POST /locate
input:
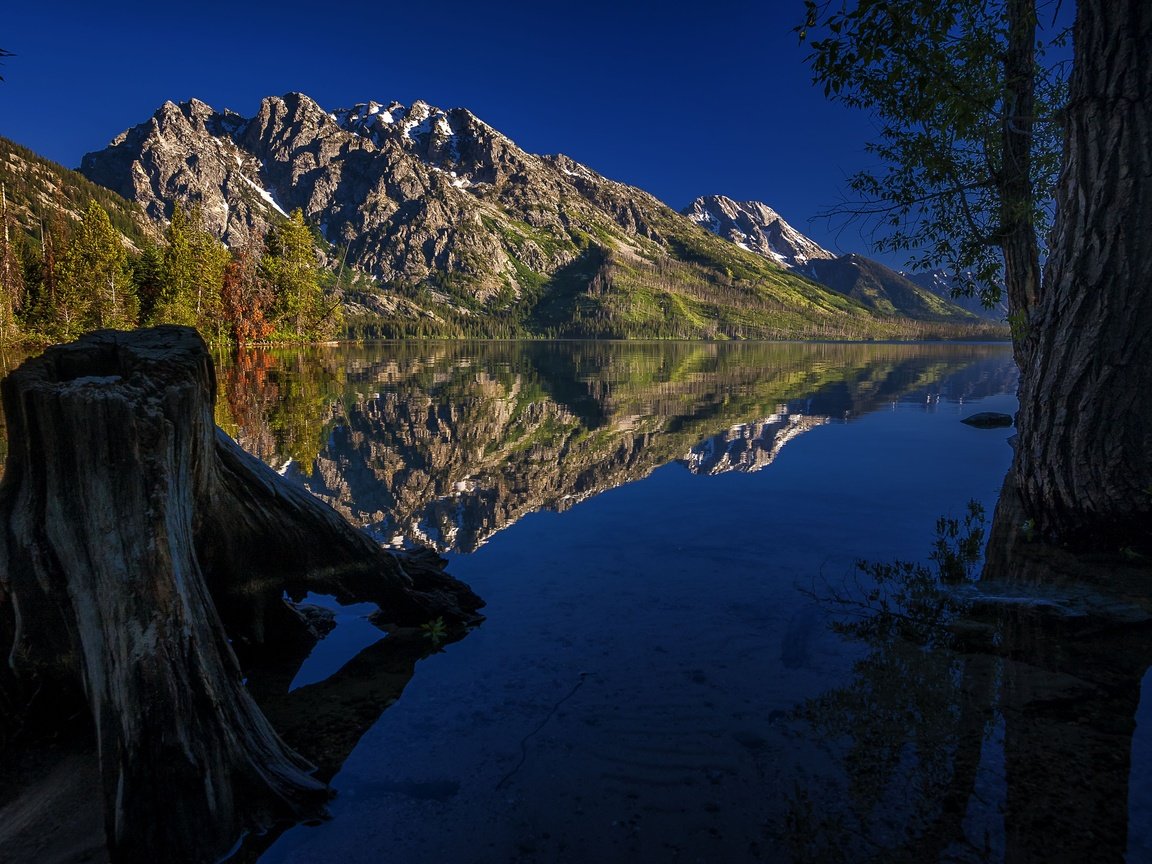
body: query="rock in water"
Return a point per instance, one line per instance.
(138, 544)
(988, 420)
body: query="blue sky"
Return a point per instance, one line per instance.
(678, 99)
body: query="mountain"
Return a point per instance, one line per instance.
(749, 447)
(881, 288)
(464, 232)
(940, 283)
(757, 227)
(38, 191)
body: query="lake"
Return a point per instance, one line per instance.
(715, 629)
(665, 535)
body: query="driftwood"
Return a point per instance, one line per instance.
(140, 551)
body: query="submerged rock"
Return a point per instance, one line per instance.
(989, 420)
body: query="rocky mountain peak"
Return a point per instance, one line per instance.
(757, 227)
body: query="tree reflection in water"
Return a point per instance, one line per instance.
(991, 719)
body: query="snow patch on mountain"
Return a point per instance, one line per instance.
(422, 128)
(264, 193)
(704, 218)
(749, 447)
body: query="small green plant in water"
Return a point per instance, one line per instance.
(435, 630)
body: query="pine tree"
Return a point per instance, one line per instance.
(294, 273)
(41, 273)
(94, 285)
(210, 260)
(190, 276)
(174, 303)
(148, 274)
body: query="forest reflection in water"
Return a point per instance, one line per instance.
(993, 715)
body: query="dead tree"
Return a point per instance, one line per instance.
(138, 546)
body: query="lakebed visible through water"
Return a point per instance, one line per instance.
(665, 534)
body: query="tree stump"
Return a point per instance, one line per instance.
(138, 546)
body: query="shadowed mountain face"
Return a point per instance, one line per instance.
(39, 193)
(444, 444)
(880, 288)
(943, 284)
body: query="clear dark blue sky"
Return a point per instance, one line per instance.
(678, 99)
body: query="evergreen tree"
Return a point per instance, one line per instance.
(191, 273)
(210, 259)
(148, 275)
(291, 268)
(94, 287)
(175, 303)
(41, 272)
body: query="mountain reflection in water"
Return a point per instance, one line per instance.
(444, 444)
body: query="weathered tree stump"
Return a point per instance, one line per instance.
(138, 545)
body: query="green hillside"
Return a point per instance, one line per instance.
(39, 191)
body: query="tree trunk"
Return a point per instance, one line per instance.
(138, 544)
(1014, 178)
(1085, 424)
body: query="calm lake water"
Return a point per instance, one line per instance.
(661, 533)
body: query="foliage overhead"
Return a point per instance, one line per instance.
(933, 74)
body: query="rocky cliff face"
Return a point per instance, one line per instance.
(459, 225)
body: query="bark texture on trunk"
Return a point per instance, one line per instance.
(1084, 454)
(131, 532)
